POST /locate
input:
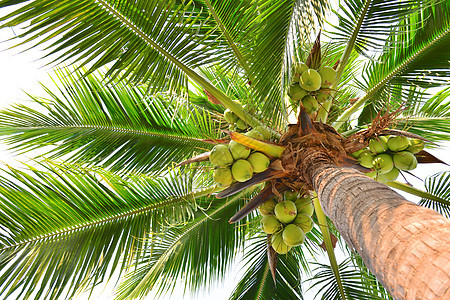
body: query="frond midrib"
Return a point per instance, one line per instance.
(119, 216)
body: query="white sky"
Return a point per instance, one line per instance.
(22, 71)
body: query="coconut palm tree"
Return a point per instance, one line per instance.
(148, 89)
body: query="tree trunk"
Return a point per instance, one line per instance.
(405, 245)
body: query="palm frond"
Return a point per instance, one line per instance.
(197, 252)
(439, 185)
(64, 229)
(357, 284)
(257, 282)
(116, 126)
(148, 40)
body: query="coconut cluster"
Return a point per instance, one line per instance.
(235, 162)
(311, 87)
(287, 221)
(387, 156)
(236, 123)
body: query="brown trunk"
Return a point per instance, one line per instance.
(405, 245)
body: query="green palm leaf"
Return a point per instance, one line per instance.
(64, 228)
(119, 127)
(257, 282)
(438, 185)
(198, 252)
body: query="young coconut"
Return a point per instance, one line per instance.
(322, 96)
(241, 124)
(255, 134)
(291, 195)
(383, 163)
(259, 162)
(267, 207)
(293, 235)
(391, 175)
(365, 159)
(220, 156)
(270, 224)
(285, 211)
(264, 131)
(357, 153)
(378, 145)
(303, 221)
(223, 176)
(415, 146)
(397, 143)
(310, 80)
(279, 245)
(238, 151)
(328, 75)
(242, 170)
(296, 93)
(405, 160)
(230, 116)
(310, 104)
(298, 71)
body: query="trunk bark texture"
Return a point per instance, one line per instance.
(405, 245)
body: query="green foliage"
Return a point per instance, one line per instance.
(438, 185)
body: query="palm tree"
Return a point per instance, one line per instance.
(104, 194)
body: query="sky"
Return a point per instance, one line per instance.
(20, 72)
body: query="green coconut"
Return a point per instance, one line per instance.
(259, 162)
(279, 245)
(405, 160)
(391, 175)
(310, 104)
(285, 211)
(378, 145)
(242, 170)
(322, 96)
(357, 153)
(383, 163)
(304, 221)
(328, 75)
(267, 207)
(230, 116)
(270, 224)
(397, 143)
(304, 205)
(223, 176)
(372, 174)
(241, 124)
(365, 158)
(310, 80)
(220, 156)
(238, 151)
(296, 93)
(254, 134)
(293, 235)
(415, 146)
(264, 131)
(291, 195)
(298, 71)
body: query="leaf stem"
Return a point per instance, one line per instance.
(416, 192)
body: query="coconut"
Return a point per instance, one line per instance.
(405, 160)
(259, 162)
(220, 156)
(270, 224)
(291, 195)
(365, 159)
(372, 174)
(378, 145)
(254, 134)
(223, 176)
(293, 235)
(397, 143)
(383, 163)
(391, 175)
(310, 104)
(322, 96)
(238, 151)
(328, 75)
(415, 146)
(296, 93)
(279, 245)
(230, 116)
(285, 211)
(241, 124)
(298, 71)
(264, 131)
(306, 208)
(303, 221)
(310, 80)
(357, 153)
(242, 170)
(267, 207)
